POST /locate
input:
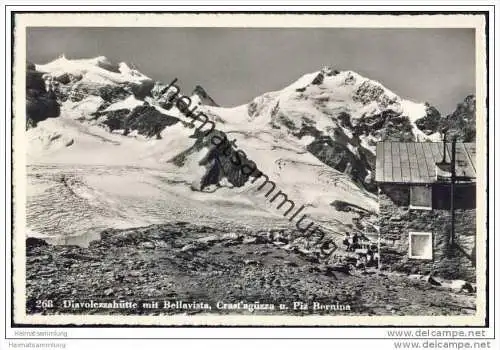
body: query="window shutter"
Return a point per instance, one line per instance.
(421, 197)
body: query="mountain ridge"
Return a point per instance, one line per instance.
(314, 138)
(341, 110)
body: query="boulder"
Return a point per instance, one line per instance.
(35, 242)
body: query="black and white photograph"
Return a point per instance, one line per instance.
(260, 174)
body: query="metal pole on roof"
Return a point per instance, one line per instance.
(378, 250)
(444, 147)
(452, 190)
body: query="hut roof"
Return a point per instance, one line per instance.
(415, 162)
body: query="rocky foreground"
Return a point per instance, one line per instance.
(182, 262)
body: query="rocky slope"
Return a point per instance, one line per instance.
(192, 263)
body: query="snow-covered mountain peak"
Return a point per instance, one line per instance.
(335, 116)
(99, 70)
(345, 85)
(323, 95)
(63, 63)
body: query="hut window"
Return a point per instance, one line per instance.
(420, 245)
(421, 197)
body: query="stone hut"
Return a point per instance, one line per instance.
(427, 203)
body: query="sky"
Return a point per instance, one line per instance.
(235, 65)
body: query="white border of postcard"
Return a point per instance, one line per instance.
(244, 20)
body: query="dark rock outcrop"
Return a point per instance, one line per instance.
(147, 120)
(111, 93)
(115, 120)
(396, 127)
(204, 96)
(40, 103)
(35, 242)
(339, 157)
(318, 79)
(431, 122)
(336, 148)
(368, 92)
(141, 91)
(163, 95)
(223, 160)
(462, 122)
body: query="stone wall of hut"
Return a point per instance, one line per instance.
(451, 261)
